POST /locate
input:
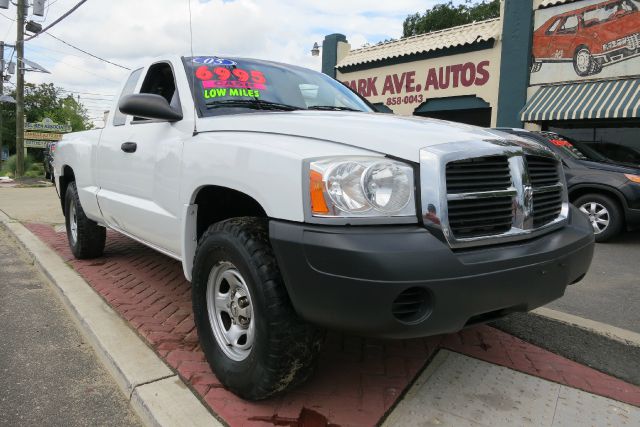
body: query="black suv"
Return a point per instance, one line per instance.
(606, 190)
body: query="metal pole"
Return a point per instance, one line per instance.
(1, 93)
(20, 92)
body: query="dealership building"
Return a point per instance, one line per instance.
(571, 66)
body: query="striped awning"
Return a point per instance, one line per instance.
(611, 99)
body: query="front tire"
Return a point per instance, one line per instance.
(251, 335)
(604, 214)
(86, 237)
(584, 63)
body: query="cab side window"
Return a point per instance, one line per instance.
(161, 81)
(119, 119)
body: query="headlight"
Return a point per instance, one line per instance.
(361, 187)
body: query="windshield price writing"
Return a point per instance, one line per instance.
(221, 77)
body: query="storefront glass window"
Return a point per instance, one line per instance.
(619, 144)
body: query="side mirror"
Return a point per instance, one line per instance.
(148, 106)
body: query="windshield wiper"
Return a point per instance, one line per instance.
(331, 108)
(256, 104)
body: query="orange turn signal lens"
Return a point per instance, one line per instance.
(634, 178)
(316, 190)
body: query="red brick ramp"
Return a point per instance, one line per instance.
(358, 380)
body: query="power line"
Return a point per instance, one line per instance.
(86, 93)
(87, 53)
(52, 3)
(95, 99)
(46, 13)
(69, 12)
(9, 30)
(76, 67)
(6, 17)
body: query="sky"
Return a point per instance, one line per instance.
(132, 32)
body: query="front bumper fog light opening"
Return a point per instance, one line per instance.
(412, 305)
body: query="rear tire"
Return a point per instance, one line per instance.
(252, 337)
(86, 237)
(535, 65)
(604, 213)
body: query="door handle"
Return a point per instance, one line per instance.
(129, 147)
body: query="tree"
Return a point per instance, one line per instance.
(40, 102)
(446, 15)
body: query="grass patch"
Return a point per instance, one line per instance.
(31, 168)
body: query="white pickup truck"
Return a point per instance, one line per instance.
(294, 208)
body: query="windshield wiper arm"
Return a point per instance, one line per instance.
(331, 108)
(257, 104)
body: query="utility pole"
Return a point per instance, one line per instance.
(20, 91)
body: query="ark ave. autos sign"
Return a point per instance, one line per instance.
(413, 87)
(405, 86)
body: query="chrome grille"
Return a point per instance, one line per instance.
(491, 191)
(542, 171)
(479, 174)
(546, 206)
(480, 217)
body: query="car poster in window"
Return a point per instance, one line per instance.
(224, 78)
(589, 39)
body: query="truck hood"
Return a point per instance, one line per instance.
(398, 136)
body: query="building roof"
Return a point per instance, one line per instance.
(451, 37)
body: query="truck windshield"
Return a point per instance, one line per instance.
(232, 85)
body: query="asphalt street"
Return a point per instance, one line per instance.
(50, 375)
(610, 292)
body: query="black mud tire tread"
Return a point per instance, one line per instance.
(91, 236)
(616, 217)
(286, 349)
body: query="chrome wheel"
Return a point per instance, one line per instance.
(73, 222)
(583, 60)
(230, 311)
(598, 215)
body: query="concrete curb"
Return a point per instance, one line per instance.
(608, 349)
(618, 334)
(156, 393)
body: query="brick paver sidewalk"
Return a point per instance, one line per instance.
(358, 380)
